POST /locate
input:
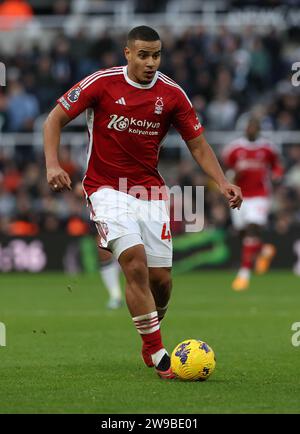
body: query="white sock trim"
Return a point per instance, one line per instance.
(163, 308)
(156, 357)
(244, 272)
(146, 324)
(145, 316)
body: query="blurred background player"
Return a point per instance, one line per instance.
(256, 164)
(109, 269)
(110, 273)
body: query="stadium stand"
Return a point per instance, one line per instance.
(229, 70)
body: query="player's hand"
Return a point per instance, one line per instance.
(233, 194)
(58, 179)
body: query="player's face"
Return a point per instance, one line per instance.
(143, 59)
(252, 130)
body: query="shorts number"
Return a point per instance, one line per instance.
(165, 233)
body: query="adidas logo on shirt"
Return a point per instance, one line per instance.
(121, 101)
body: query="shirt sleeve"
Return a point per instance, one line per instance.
(78, 98)
(185, 118)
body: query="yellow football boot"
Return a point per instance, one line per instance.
(240, 284)
(265, 258)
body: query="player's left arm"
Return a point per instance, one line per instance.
(206, 158)
(185, 120)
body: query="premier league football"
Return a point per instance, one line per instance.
(193, 360)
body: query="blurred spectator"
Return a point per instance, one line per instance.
(292, 177)
(222, 112)
(50, 223)
(283, 222)
(68, 163)
(61, 7)
(22, 108)
(259, 65)
(14, 13)
(23, 228)
(150, 6)
(3, 112)
(45, 82)
(76, 227)
(7, 202)
(62, 64)
(12, 177)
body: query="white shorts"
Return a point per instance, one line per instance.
(254, 210)
(123, 221)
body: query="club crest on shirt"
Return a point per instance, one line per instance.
(159, 105)
(73, 95)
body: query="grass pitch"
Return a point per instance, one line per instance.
(66, 353)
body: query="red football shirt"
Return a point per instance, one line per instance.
(127, 123)
(254, 163)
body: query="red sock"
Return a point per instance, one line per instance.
(148, 327)
(250, 249)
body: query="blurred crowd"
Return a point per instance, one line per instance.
(29, 8)
(28, 206)
(227, 75)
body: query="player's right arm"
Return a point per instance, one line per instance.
(80, 97)
(57, 178)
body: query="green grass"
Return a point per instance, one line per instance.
(66, 353)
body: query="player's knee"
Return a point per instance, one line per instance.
(134, 265)
(136, 271)
(166, 284)
(105, 256)
(162, 282)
